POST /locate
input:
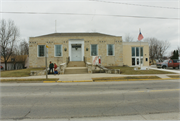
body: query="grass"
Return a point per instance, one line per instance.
(28, 80)
(174, 76)
(19, 73)
(131, 71)
(125, 78)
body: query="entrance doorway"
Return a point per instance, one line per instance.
(76, 52)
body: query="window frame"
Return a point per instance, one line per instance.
(113, 49)
(55, 51)
(137, 48)
(97, 50)
(141, 54)
(38, 51)
(134, 52)
(135, 56)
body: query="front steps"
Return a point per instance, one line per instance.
(76, 64)
(76, 67)
(76, 70)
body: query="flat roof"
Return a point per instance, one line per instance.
(76, 34)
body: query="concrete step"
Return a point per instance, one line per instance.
(76, 70)
(76, 64)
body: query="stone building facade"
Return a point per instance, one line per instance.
(76, 46)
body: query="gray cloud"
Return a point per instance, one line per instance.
(37, 24)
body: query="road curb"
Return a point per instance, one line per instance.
(96, 80)
(135, 79)
(107, 80)
(75, 81)
(49, 81)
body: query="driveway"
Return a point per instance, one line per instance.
(167, 69)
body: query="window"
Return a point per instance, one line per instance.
(133, 61)
(12, 59)
(94, 50)
(137, 51)
(41, 50)
(141, 51)
(137, 55)
(110, 49)
(133, 51)
(141, 60)
(58, 50)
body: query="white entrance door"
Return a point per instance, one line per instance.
(76, 54)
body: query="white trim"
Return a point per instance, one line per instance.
(76, 41)
(55, 50)
(38, 52)
(141, 57)
(97, 50)
(113, 50)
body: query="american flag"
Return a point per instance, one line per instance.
(140, 37)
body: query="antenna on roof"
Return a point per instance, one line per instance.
(55, 26)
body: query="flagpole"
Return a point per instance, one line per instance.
(140, 50)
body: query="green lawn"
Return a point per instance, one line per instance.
(29, 80)
(131, 71)
(19, 73)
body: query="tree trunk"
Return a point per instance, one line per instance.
(5, 65)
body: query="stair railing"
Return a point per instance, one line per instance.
(67, 60)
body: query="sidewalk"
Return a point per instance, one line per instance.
(82, 77)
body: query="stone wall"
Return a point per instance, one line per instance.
(102, 41)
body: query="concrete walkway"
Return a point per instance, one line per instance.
(167, 70)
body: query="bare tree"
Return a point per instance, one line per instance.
(157, 48)
(24, 47)
(163, 46)
(9, 34)
(128, 38)
(16, 50)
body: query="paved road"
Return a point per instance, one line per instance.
(85, 100)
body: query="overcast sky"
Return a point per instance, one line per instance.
(31, 25)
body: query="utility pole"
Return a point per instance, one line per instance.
(46, 52)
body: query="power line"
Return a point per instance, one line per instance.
(135, 4)
(86, 14)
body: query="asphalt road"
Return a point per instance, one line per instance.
(81, 100)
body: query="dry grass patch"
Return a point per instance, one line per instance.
(19, 73)
(174, 76)
(125, 78)
(29, 80)
(131, 71)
